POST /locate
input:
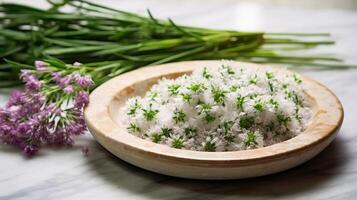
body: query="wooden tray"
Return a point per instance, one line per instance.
(102, 118)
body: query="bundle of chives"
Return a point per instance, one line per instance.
(111, 41)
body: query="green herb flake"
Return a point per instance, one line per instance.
(282, 119)
(297, 79)
(149, 114)
(298, 117)
(205, 107)
(218, 95)
(251, 139)
(253, 96)
(166, 132)
(206, 74)
(296, 99)
(233, 88)
(177, 143)
(271, 87)
(227, 125)
(269, 75)
(156, 137)
(246, 122)
(240, 102)
(133, 128)
(134, 108)
(254, 80)
(153, 96)
(190, 132)
(196, 87)
(258, 106)
(179, 116)
(186, 97)
(174, 89)
(208, 117)
(285, 86)
(228, 69)
(210, 146)
(274, 103)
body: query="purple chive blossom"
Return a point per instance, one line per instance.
(68, 89)
(38, 116)
(40, 65)
(16, 98)
(56, 77)
(81, 99)
(31, 81)
(83, 81)
(64, 81)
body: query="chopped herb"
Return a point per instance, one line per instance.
(186, 97)
(166, 132)
(271, 87)
(285, 86)
(296, 99)
(269, 75)
(246, 122)
(227, 131)
(153, 96)
(254, 80)
(253, 96)
(210, 146)
(174, 89)
(297, 79)
(208, 117)
(190, 132)
(196, 87)
(228, 69)
(149, 114)
(229, 138)
(240, 103)
(227, 125)
(133, 128)
(134, 108)
(179, 116)
(156, 137)
(204, 107)
(298, 117)
(251, 139)
(282, 119)
(206, 74)
(218, 94)
(233, 88)
(259, 106)
(274, 103)
(177, 143)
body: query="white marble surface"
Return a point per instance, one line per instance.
(67, 174)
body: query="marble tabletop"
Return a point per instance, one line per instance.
(68, 174)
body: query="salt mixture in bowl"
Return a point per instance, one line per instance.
(220, 108)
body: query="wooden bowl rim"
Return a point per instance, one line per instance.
(100, 122)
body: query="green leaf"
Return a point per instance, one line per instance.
(69, 50)
(19, 65)
(16, 35)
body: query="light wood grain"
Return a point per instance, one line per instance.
(103, 121)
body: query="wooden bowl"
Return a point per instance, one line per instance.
(102, 117)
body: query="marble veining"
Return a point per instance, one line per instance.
(67, 174)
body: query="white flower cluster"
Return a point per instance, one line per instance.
(220, 108)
